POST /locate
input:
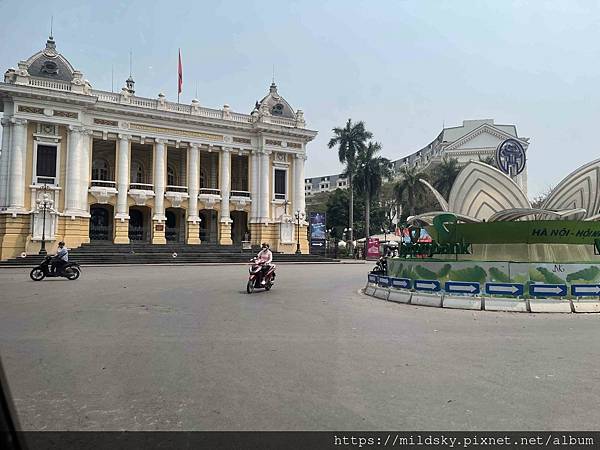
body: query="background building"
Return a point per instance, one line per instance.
(122, 168)
(473, 141)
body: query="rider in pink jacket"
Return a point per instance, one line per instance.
(265, 257)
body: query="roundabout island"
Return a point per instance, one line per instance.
(491, 250)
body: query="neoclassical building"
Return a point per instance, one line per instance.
(121, 168)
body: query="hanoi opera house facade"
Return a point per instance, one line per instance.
(120, 168)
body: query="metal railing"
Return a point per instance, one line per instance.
(171, 188)
(103, 183)
(141, 186)
(240, 194)
(210, 191)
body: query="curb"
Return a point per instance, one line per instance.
(441, 300)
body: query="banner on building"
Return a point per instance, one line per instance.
(317, 232)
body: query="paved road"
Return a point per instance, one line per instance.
(172, 348)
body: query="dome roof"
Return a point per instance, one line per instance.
(48, 63)
(275, 104)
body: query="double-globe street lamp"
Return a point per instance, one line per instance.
(298, 215)
(44, 203)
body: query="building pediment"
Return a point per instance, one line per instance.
(485, 136)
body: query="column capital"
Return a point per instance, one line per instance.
(76, 129)
(195, 145)
(160, 141)
(5, 122)
(226, 149)
(17, 121)
(301, 156)
(124, 137)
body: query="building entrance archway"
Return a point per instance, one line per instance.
(101, 222)
(239, 226)
(209, 226)
(175, 224)
(139, 224)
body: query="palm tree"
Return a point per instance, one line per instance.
(350, 140)
(370, 173)
(445, 174)
(410, 185)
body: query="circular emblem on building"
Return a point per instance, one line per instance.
(510, 157)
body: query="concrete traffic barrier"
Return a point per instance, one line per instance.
(549, 306)
(504, 304)
(419, 298)
(382, 293)
(462, 302)
(399, 296)
(586, 306)
(370, 289)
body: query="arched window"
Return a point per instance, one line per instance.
(100, 170)
(137, 172)
(171, 176)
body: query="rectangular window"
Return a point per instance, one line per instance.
(280, 184)
(46, 164)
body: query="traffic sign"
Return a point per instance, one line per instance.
(514, 289)
(463, 287)
(384, 281)
(373, 278)
(427, 285)
(548, 290)
(400, 283)
(585, 290)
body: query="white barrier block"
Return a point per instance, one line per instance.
(549, 306)
(370, 290)
(462, 302)
(381, 293)
(586, 306)
(499, 304)
(399, 296)
(419, 298)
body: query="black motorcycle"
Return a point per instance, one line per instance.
(70, 271)
(380, 266)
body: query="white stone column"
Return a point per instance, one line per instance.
(86, 150)
(265, 192)
(254, 186)
(299, 199)
(16, 174)
(225, 183)
(123, 169)
(193, 181)
(160, 164)
(4, 162)
(73, 178)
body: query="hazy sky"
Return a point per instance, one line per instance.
(404, 67)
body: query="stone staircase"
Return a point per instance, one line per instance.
(142, 253)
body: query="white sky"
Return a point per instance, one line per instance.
(404, 67)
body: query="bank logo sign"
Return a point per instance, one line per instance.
(510, 157)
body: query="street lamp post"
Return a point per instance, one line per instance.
(43, 202)
(298, 215)
(346, 231)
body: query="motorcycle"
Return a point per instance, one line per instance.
(70, 271)
(380, 266)
(255, 278)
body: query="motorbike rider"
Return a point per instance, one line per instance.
(265, 257)
(61, 258)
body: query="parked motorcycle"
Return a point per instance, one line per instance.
(255, 276)
(380, 266)
(71, 271)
